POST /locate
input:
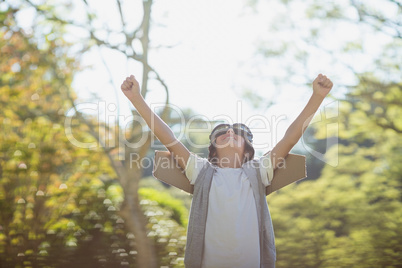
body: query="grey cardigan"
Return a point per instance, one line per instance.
(199, 210)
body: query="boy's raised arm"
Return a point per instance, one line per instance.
(321, 87)
(162, 131)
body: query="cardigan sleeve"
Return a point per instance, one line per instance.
(266, 169)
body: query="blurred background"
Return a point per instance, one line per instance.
(76, 185)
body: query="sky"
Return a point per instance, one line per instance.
(209, 45)
(205, 51)
(209, 42)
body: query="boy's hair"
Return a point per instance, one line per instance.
(248, 153)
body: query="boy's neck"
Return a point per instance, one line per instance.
(232, 161)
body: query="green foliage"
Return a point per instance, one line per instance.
(59, 204)
(151, 182)
(53, 208)
(165, 200)
(166, 217)
(351, 215)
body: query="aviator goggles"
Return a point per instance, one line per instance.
(238, 129)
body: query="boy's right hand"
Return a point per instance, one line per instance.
(131, 88)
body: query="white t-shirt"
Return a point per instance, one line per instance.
(231, 234)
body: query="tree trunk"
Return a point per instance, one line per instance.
(136, 222)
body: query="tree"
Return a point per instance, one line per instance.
(341, 39)
(47, 210)
(350, 215)
(59, 202)
(127, 175)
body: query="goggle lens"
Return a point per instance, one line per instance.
(238, 129)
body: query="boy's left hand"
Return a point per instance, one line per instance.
(322, 85)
